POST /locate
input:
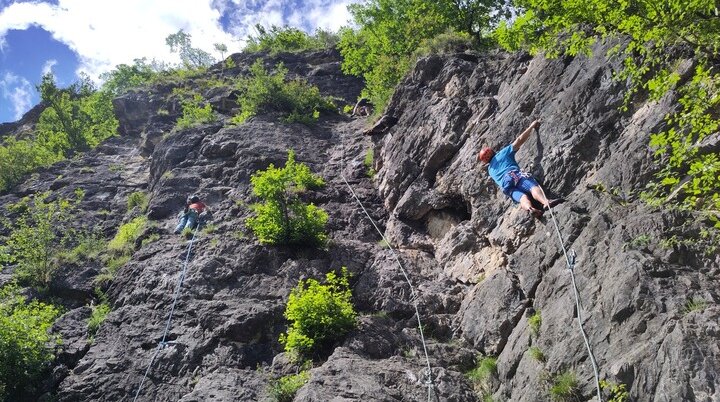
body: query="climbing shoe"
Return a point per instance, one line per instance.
(536, 213)
(553, 203)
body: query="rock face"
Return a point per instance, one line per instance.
(480, 266)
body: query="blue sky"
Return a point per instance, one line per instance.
(69, 37)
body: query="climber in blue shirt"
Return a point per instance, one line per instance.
(515, 183)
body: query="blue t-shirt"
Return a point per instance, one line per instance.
(501, 163)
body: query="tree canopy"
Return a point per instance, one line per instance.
(381, 49)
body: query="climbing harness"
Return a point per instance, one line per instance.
(163, 344)
(429, 381)
(570, 261)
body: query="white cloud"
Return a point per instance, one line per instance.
(47, 68)
(304, 14)
(105, 33)
(18, 91)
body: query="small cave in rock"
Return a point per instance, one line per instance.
(439, 221)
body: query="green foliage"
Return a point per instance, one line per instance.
(319, 314)
(658, 38)
(37, 237)
(195, 113)
(563, 387)
(694, 304)
(534, 322)
(137, 199)
(124, 241)
(618, 392)
(265, 92)
(446, 42)
(112, 265)
(125, 77)
(368, 162)
(150, 239)
(282, 218)
(285, 388)
(639, 241)
(191, 57)
(537, 354)
(89, 247)
(480, 376)
(389, 32)
(25, 344)
(76, 119)
(288, 39)
(20, 157)
(97, 316)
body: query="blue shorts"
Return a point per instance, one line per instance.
(516, 184)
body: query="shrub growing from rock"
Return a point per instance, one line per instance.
(320, 314)
(264, 92)
(282, 218)
(25, 344)
(38, 238)
(284, 388)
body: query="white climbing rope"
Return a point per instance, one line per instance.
(429, 382)
(162, 344)
(570, 261)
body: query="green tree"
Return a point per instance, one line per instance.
(288, 39)
(20, 157)
(319, 314)
(125, 77)
(77, 118)
(389, 32)
(655, 39)
(38, 237)
(25, 344)
(191, 57)
(282, 218)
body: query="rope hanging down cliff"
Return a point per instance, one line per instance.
(162, 344)
(429, 382)
(570, 261)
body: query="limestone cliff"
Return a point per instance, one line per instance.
(481, 266)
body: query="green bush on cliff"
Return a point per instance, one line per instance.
(195, 112)
(284, 388)
(264, 92)
(320, 313)
(282, 218)
(25, 344)
(38, 238)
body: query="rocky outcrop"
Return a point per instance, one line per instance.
(480, 266)
(634, 294)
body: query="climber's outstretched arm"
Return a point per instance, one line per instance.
(525, 135)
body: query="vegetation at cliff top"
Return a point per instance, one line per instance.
(319, 313)
(282, 218)
(389, 33)
(25, 344)
(289, 39)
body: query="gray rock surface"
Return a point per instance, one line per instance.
(480, 266)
